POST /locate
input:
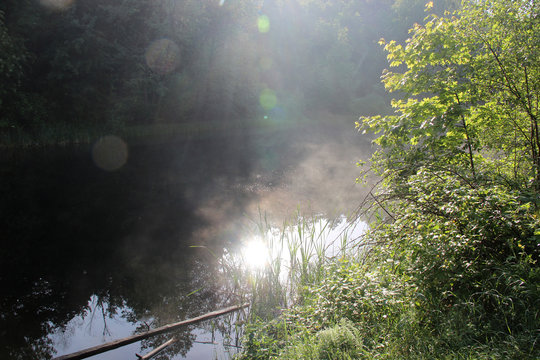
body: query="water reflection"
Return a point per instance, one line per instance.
(97, 324)
(116, 249)
(303, 243)
(255, 254)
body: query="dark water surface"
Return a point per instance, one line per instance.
(91, 255)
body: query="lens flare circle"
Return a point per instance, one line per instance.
(163, 56)
(268, 99)
(263, 24)
(110, 153)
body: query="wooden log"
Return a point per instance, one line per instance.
(156, 350)
(83, 354)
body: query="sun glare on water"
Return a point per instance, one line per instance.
(255, 254)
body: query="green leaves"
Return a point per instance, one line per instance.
(460, 163)
(470, 82)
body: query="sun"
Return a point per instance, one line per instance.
(255, 254)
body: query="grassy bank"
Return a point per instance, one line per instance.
(415, 287)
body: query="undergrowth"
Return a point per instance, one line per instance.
(462, 282)
(452, 270)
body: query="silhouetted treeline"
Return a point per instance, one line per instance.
(110, 64)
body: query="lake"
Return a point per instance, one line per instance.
(104, 240)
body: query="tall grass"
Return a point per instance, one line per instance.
(297, 256)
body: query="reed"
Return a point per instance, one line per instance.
(293, 258)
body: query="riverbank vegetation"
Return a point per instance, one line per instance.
(450, 267)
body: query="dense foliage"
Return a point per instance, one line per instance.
(472, 86)
(110, 66)
(452, 269)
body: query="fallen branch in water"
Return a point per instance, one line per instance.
(158, 349)
(83, 354)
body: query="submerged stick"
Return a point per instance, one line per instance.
(134, 338)
(158, 349)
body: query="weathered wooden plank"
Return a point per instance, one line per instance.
(83, 354)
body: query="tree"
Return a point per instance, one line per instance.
(468, 95)
(13, 58)
(460, 163)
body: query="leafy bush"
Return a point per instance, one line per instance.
(471, 254)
